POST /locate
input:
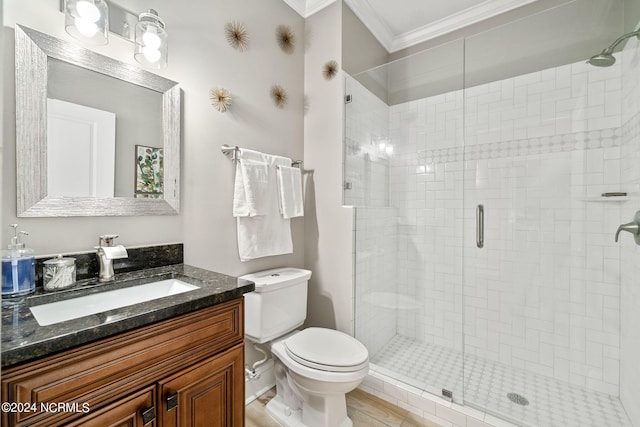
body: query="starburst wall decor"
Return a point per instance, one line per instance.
(279, 96)
(330, 70)
(237, 35)
(286, 38)
(220, 99)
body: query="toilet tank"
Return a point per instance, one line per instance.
(278, 304)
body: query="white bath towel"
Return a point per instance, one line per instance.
(290, 191)
(250, 189)
(268, 234)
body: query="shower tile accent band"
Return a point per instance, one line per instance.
(603, 138)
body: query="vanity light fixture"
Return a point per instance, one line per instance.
(87, 20)
(151, 40)
(91, 21)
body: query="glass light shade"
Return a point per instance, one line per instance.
(87, 20)
(151, 40)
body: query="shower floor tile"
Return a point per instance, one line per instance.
(549, 403)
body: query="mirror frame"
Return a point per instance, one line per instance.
(32, 51)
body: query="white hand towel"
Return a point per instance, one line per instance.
(250, 190)
(290, 191)
(268, 234)
(250, 183)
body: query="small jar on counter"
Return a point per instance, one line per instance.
(59, 273)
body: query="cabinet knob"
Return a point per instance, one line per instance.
(148, 415)
(172, 401)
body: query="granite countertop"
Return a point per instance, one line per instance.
(23, 339)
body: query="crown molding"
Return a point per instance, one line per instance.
(371, 20)
(466, 17)
(306, 8)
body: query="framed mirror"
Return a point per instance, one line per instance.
(94, 136)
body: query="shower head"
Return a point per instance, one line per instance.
(606, 58)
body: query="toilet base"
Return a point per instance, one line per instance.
(289, 417)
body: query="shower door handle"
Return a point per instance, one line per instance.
(480, 226)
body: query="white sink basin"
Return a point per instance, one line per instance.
(73, 308)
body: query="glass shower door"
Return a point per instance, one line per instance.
(404, 173)
(541, 298)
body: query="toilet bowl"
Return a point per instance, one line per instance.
(320, 366)
(315, 367)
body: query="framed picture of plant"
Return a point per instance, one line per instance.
(149, 172)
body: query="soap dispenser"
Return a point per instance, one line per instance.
(18, 267)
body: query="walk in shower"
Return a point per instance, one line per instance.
(486, 202)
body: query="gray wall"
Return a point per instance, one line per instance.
(328, 225)
(360, 49)
(631, 15)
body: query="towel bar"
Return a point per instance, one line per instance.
(232, 153)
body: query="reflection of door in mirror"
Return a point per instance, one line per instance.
(80, 151)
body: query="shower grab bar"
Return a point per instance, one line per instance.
(480, 226)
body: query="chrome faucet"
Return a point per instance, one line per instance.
(107, 252)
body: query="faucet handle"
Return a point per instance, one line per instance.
(107, 240)
(632, 227)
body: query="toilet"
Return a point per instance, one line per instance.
(315, 367)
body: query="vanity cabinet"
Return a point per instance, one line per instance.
(180, 372)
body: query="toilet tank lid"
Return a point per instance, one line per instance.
(277, 278)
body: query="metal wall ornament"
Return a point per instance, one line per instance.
(279, 96)
(330, 70)
(220, 99)
(285, 37)
(237, 35)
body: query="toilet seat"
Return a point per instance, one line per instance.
(327, 350)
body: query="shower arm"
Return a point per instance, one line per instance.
(620, 40)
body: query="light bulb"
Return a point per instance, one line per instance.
(85, 27)
(152, 55)
(151, 39)
(88, 11)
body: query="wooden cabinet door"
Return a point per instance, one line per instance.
(137, 410)
(104, 371)
(209, 394)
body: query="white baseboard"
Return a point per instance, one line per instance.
(256, 387)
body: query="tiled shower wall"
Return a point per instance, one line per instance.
(544, 292)
(630, 252)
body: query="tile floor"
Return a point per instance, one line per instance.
(364, 409)
(551, 403)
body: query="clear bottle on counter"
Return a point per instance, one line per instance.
(18, 267)
(58, 273)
